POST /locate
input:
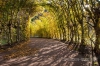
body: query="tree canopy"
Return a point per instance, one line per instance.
(75, 21)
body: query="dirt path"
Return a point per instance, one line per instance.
(51, 53)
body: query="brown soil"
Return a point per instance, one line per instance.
(44, 52)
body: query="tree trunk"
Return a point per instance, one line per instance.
(97, 43)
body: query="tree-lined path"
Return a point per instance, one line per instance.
(74, 22)
(51, 53)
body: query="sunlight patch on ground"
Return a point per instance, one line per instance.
(51, 53)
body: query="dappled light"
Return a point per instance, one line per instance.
(51, 53)
(19, 50)
(50, 32)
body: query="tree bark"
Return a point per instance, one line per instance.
(97, 42)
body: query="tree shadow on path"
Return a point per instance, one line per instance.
(51, 53)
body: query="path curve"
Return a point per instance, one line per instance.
(51, 53)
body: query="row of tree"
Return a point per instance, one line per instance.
(14, 20)
(76, 21)
(69, 20)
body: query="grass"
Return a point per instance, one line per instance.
(3, 42)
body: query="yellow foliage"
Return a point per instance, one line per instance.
(45, 26)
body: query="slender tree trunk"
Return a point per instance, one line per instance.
(97, 43)
(82, 36)
(64, 34)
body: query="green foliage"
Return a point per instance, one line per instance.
(64, 20)
(14, 20)
(2, 42)
(68, 22)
